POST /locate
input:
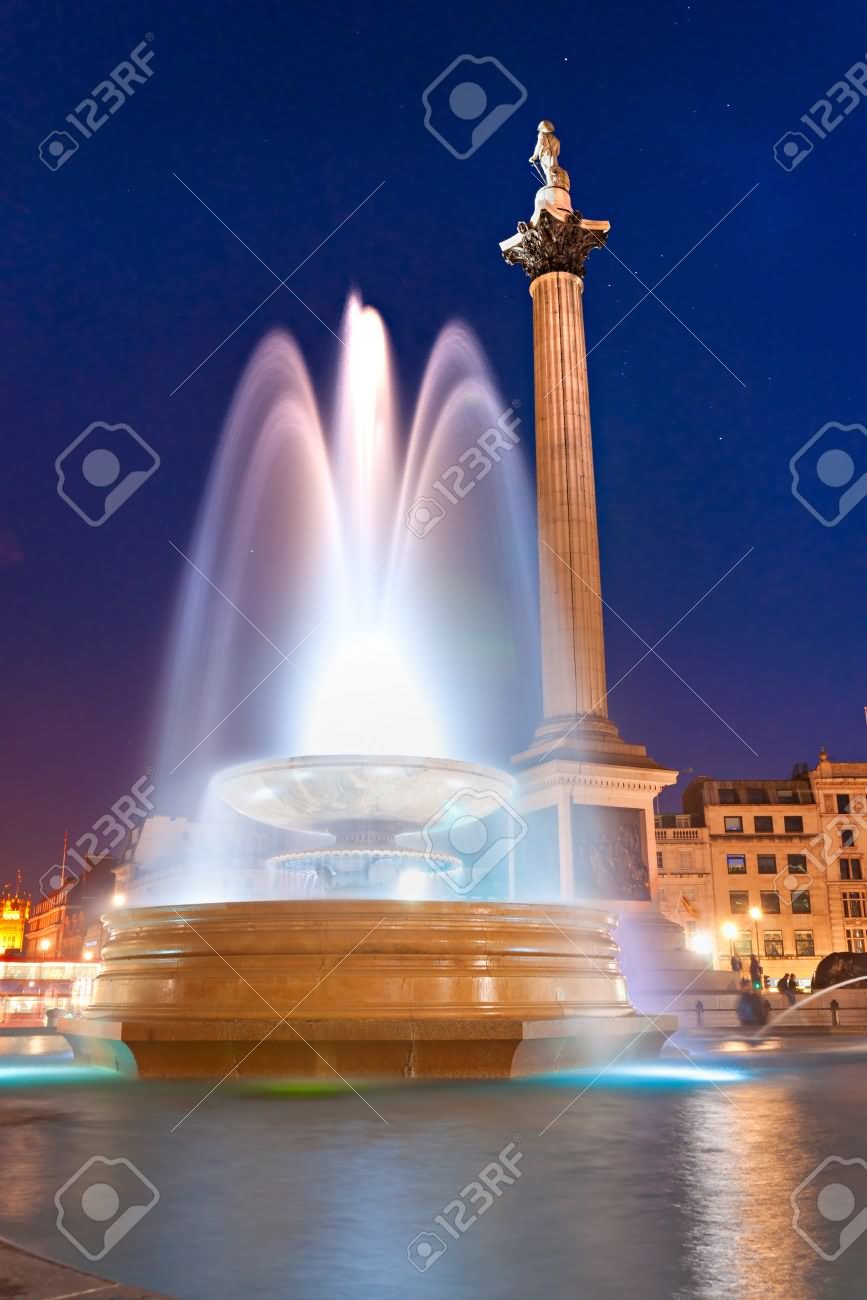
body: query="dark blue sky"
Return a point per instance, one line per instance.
(283, 118)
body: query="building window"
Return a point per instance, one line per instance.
(739, 902)
(801, 901)
(855, 940)
(756, 794)
(685, 859)
(804, 946)
(764, 825)
(736, 864)
(797, 863)
(773, 943)
(728, 795)
(733, 825)
(793, 825)
(842, 803)
(743, 944)
(767, 864)
(854, 902)
(770, 900)
(847, 837)
(658, 860)
(787, 796)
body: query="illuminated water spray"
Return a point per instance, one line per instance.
(358, 583)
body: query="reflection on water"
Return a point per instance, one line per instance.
(658, 1182)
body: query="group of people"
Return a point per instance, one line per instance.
(752, 1008)
(755, 968)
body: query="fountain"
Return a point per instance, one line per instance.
(356, 907)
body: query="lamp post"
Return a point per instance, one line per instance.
(755, 917)
(730, 930)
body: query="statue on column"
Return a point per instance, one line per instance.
(547, 154)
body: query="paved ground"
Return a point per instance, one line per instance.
(28, 1277)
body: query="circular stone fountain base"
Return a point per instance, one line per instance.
(361, 987)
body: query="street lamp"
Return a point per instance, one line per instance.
(730, 930)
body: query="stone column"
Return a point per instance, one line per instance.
(564, 842)
(553, 248)
(573, 648)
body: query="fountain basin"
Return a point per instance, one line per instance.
(362, 987)
(356, 795)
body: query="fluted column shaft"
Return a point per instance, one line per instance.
(573, 648)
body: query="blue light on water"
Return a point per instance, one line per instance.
(656, 1074)
(28, 1072)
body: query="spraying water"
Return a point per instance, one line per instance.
(356, 583)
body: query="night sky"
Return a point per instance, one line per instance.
(284, 118)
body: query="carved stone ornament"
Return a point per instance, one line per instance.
(554, 245)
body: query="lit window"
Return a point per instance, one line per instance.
(804, 946)
(734, 825)
(773, 943)
(855, 940)
(736, 864)
(854, 902)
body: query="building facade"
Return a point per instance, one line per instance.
(839, 855)
(683, 884)
(14, 913)
(64, 926)
(772, 867)
(766, 899)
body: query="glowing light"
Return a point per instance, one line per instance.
(44, 945)
(685, 1073)
(412, 883)
(87, 954)
(368, 701)
(662, 1073)
(755, 913)
(701, 942)
(730, 930)
(119, 900)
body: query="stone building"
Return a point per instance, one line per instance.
(774, 866)
(766, 900)
(683, 884)
(62, 926)
(14, 911)
(838, 857)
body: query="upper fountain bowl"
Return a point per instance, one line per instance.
(326, 792)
